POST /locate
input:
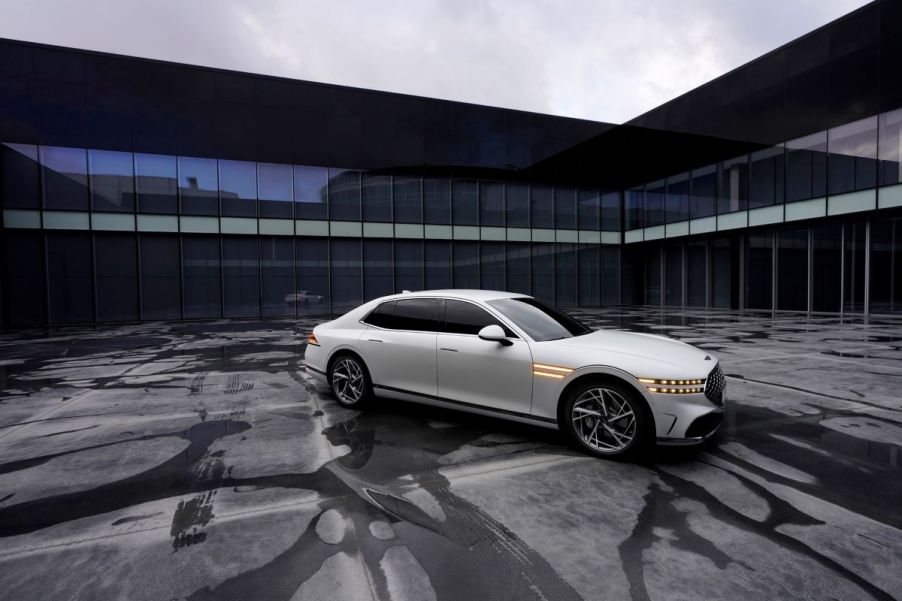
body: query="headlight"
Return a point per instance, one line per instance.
(696, 386)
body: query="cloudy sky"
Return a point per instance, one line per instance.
(606, 60)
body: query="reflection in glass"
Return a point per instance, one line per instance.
(543, 272)
(491, 269)
(886, 266)
(542, 206)
(19, 176)
(732, 193)
(202, 278)
(890, 153)
(589, 209)
(759, 271)
(826, 267)
(69, 276)
(240, 276)
(517, 201)
(198, 186)
(379, 269)
(696, 273)
(792, 270)
(438, 264)
(806, 167)
(65, 174)
(466, 264)
(853, 266)
(277, 274)
(310, 192)
(653, 276)
(634, 209)
(464, 202)
(589, 275)
(677, 208)
(437, 200)
(344, 196)
(704, 192)
(517, 271)
(312, 295)
(565, 275)
(852, 159)
(654, 203)
(116, 277)
(766, 177)
(112, 181)
(408, 200)
(161, 288)
(274, 187)
(408, 265)
(238, 188)
(564, 208)
(347, 282)
(491, 204)
(610, 212)
(610, 275)
(673, 275)
(157, 177)
(377, 197)
(724, 254)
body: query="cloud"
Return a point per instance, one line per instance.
(606, 60)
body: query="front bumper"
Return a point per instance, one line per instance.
(685, 419)
(700, 430)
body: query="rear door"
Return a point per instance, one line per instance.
(399, 345)
(482, 372)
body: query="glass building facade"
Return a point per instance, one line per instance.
(213, 194)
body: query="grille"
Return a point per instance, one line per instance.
(714, 386)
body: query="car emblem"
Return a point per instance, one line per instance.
(707, 357)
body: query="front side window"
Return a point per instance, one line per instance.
(466, 318)
(542, 322)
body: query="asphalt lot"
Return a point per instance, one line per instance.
(194, 461)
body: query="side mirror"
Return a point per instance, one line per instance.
(494, 333)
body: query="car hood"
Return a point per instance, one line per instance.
(642, 355)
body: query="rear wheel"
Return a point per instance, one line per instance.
(606, 419)
(350, 381)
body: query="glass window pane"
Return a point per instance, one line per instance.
(438, 264)
(70, 277)
(65, 174)
(198, 186)
(696, 277)
(891, 148)
(565, 273)
(610, 212)
(759, 271)
(491, 203)
(161, 287)
(462, 317)
(347, 277)
(408, 265)
(112, 180)
(542, 206)
(25, 286)
(517, 205)
(312, 295)
(589, 276)
(826, 264)
(654, 203)
(310, 192)
(792, 270)
(19, 178)
(466, 264)
(635, 208)
(589, 209)
(417, 314)
(408, 200)
(344, 195)
(157, 177)
(274, 186)
(240, 277)
(677, 208)
(543, 272)
(725, 273)
(853, 266)
(116, 267)
(491, 265)
(437, 200)
(238, 188)
(673, 275)
(610, 275)
(376, 197)
(653, 276)
(704, 192)
(732, 193)
(806, 167)
(852, 161)
(565, 208)
(203, 284)
(886, 266)
(766, 177)
(465, 208)
(378, 269)
(277, 274)
(517, 271)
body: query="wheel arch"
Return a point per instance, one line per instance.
(603, 376)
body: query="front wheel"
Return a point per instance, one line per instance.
(606, 419)
(350, 381)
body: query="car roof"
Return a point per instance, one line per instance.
(477, 295)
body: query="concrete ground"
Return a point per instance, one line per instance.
(192, 461)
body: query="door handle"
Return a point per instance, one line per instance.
(373, 340)
(450, 350)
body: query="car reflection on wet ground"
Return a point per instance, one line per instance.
(195, 461)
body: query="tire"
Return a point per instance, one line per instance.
(586, 418)
(350, 381)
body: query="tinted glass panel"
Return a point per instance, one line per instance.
(466, 265)
(891, 148)
(565, 208)
(542, 206)
(610, 275)
(238, 188)
(382, 316)
(542, 322)
(312, 294)
(886, 266)
(202, 277)
(853, 266)
(852, 159)
(70, 277)
(19, 178)
(759, 283)
(543, 272)
(589, 209)
(408, 265)
(26, 291)
(589, 276)
(766, 180)
(274, 186)
(408, 200)
(517, 271)
(198, 186)
(310, 192)
(696, 279)
(65, 173)
(610, 211)
(792, 270)
(378, 269)
(517, 205)
(704, 192)
(806, 167)
(654, 203)
(240, 276)
(438, 264)
(653, 276)
(377, 197)
(161, 288)
(491, 265)
(826, 266)
(464, 202)
(565, 275)
(117, 277)
(673, 276)
(634, 208)
(417, 314)
(437, 201)
(725, 273)
(347, 280)
(157, 184)
(466, 318)
(112, 181)
(732, 193)
(277, 271)
(344, 195)
(491, 203)
(677, 208)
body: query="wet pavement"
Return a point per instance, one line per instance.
(194, 461)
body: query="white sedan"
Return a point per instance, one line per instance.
(509, 355)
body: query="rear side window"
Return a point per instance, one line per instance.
(382, 316)
(466, 318)
(417, 314)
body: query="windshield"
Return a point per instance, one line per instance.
(542, 322)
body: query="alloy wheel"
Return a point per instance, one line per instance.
(347, 381)
(604, 420)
